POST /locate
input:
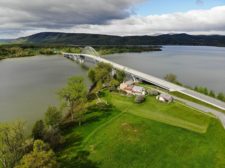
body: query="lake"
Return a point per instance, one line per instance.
(29, 85)
(193, 65)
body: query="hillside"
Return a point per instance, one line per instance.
(4, 41)
(97, 39)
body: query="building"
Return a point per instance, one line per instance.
(130, 88)
(138, 90)
(165, 98)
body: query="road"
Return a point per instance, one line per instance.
(219, 115)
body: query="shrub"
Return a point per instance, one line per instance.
(53, 137)
(153, 92)
(91, 96)
(38, 130)
(139, 99)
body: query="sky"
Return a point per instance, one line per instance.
(114, 17)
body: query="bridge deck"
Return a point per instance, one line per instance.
(157, 81)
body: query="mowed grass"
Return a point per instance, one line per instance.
(135, 142)
(76, 137)
(147, 135)
(183, 96)
(175, 113)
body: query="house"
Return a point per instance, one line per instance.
(138, 90)
(165, 98)
(130, 88)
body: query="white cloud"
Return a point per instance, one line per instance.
(63, 13)
(102, 17)
(195, 22)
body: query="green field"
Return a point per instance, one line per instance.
(183, 96)
(151, 134)
(135, 142)
(175, 114)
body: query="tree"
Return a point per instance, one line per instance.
(53, 116)
(102, 73)
(74, 93)
(120, 75)
(91, 75)
(205, 91)
(38, 130)
(53, 137)
(11, 143)
(80, 111)
(171, 78)
(114, 83)
(41, 156)
(212, 93)
(221, 96)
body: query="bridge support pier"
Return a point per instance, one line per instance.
(113, 73)
(134, 78)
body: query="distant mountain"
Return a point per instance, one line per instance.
(97, 39)
(6, 40)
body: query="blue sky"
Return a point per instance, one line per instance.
(152, 7)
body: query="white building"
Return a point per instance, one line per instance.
(130, 88)
(165, 98)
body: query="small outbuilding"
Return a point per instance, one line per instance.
(165, 98)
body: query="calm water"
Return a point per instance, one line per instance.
(29, 85)
(193, 65)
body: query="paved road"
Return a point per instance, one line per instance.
(204, 98)
(218, 114)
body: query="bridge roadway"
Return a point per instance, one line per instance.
(151, 79)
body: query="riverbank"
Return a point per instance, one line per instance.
(16, 51)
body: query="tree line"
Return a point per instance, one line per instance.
(201, 89)
(12, 51)
(16, 50)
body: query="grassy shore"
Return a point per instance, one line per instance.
(16, 50)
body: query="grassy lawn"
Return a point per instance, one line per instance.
(175, 114)
(135, 142)
(76, 137)
(147, 135)
(183, 96)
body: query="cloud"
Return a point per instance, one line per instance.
(22, 18)
(194, 22)
(52, 14)
(200, 2)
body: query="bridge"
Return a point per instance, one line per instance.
(147, 78)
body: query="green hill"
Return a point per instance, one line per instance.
(97, 39)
